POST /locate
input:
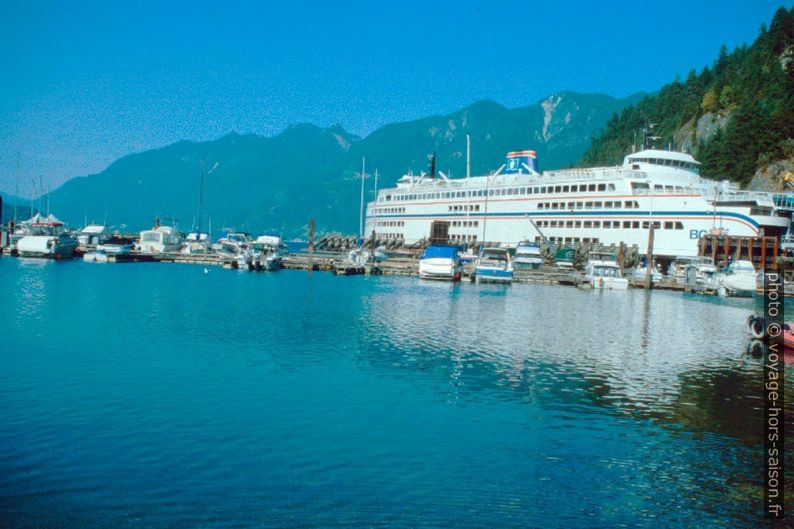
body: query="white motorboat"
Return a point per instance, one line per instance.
(527, 256)
(48, 246)
(739, 279)
(440, 262)
(45, 237)
(362, 256)
(196, 243)
(605, 274)
(93, 235)
(160, 239)
(639, 273)
(266, 253)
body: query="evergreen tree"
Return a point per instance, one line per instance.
(753, 87)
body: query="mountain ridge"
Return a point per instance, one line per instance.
(276, 183)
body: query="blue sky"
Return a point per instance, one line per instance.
(87, 82)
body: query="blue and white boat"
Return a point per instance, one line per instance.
(440, 262)
(494, 266)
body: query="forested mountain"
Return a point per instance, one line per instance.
(736, 116)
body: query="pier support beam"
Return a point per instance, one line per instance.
(311, 245)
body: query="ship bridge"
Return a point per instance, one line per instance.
(784, 201)
(654, 158)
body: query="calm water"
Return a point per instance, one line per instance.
(148, 395)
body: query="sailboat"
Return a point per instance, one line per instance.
(197, 241)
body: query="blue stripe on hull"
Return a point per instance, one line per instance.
(584, 213)
(491, 273)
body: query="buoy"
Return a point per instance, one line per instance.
(756, 327)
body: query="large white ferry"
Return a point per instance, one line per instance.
(606, 205)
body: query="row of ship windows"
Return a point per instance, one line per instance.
(465, 223)
(610, 224)
(390, 235)
(628, 204)
(567, 240)
(644, 187)
(381, 211)
(575, 188)
(664, 161)
(458, 237)
(397, 223)
(475, 207)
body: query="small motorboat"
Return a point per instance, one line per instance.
(440, 262)
(494, 266)
(565, 257)
(528, 256)
(361, 256)
(605, 274)
(739, 279)
(639, 273)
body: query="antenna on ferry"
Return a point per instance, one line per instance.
(15, 201)
(468, 156)
(432, 159)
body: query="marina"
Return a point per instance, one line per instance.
(340, 255)
(405, 265)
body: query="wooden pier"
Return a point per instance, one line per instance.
(763, 252)
(173, 257)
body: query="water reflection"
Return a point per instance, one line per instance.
(651, 355)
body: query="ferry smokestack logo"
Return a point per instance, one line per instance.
(521, 162)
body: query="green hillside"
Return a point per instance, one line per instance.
(735, 116)
(279, 183)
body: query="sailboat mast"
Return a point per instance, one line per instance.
(201, 196)
(17, 192)
(361, 208)
(468, 174)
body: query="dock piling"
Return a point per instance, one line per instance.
(649, 258)
(310, 264)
